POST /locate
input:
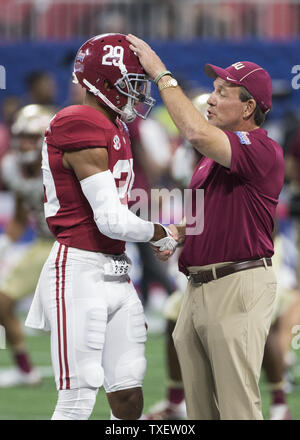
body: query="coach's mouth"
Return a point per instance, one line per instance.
(210, 114)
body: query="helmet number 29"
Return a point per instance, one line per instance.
(114, 55)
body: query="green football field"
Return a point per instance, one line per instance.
(37, 403)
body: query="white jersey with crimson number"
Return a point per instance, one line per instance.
(68, 213)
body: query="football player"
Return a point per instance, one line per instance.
(84, 294)
(21, 173)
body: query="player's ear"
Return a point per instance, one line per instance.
(107, 85)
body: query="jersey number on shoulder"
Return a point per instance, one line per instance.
(114, 56)
(124, 177)
(51, 205)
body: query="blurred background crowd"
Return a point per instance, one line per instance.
(35, 19)
(38, 42)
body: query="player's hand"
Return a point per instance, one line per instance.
(166, 247)
(150, 61)
(166, 239)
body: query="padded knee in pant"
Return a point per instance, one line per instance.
(75, 404)
(131, 367)
(130, 371)
(92, 373)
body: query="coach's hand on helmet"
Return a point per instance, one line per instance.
(150, 61)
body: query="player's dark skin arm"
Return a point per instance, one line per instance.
(90, 161)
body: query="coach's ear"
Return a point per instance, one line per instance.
(249, 108)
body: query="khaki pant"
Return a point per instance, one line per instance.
(22, 279)
(220, 337)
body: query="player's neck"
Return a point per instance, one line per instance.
(106, 111)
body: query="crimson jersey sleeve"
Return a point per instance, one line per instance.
(78, 127)
(252, 158)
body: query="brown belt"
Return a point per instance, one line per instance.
(207, 275)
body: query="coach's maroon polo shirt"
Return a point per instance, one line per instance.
(239, 203)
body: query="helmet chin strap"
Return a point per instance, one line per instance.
(127, 115)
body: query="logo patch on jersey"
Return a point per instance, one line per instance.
(116, 142)
(80, 57)
(243, 136)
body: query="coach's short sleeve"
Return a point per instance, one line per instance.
(76, 134)
(252, 156)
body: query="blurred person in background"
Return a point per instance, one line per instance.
(286, 314)
(286, 308)
(42, 88)
(21, 173)
(292, 160)
(10, 105)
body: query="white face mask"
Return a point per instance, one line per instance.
(139, 91)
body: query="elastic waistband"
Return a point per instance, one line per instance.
(83, 255)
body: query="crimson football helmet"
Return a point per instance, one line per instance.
(107, 58)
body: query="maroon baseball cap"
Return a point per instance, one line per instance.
(250, 75)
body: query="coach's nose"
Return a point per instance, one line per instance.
(212, 99)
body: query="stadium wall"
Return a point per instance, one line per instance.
(185, 59)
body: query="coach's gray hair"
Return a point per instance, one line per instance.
(259, 115)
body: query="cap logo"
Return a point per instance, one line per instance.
(230, 79)
(238, 65)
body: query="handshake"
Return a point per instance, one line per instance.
(165, 247)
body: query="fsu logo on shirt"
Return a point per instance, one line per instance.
(116, 142)
(244, 137)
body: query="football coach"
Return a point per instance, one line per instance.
(226, 311)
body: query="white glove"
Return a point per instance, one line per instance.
(166, 243)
